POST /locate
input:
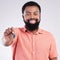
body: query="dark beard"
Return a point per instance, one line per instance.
(32, 27)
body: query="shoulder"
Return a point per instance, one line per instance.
(46, 33)
(19, 29)
(48, 36)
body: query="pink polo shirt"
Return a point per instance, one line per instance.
(38, 46)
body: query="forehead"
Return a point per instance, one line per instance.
(31, 9)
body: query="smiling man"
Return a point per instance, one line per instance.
(31, 42)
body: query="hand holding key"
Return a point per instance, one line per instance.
(9, 36)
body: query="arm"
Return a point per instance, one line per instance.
(53, 49)
(55, 58)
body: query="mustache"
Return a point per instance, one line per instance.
(32, 19)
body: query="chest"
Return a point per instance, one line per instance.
(38, 42)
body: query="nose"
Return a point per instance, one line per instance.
(32, 15)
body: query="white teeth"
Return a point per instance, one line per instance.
(32, 21)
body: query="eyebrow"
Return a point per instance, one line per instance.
(30, 12)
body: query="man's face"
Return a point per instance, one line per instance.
(32, 17)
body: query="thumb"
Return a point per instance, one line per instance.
(13, 33)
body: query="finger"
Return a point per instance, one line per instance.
(12, 29)
(7, 31)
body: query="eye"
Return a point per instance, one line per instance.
(27, 14)
(36, 13)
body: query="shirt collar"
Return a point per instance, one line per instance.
(38, 32)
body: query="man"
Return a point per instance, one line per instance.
(30, 42)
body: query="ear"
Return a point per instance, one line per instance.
(22, 16)
(40, 16)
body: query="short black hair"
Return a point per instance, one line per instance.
(30, 3)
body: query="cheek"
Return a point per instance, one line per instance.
(25, 18)
(38, 18)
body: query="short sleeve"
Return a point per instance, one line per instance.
(53, 48)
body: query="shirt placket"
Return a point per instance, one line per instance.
(33, 47)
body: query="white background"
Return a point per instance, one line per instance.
(11, 16)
